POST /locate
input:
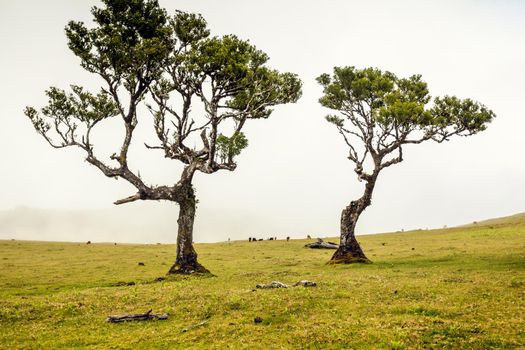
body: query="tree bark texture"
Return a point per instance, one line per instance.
(186, 261)
(349, 250)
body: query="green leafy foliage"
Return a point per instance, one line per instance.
(239, 76)
(462, 114)
(383, 101)
(229, 147)
(131, 41)
(189, 28)
(65, 111)
(80, 104)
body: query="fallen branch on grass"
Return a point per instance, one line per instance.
(320, 244)
(195, 326)
(136, 317)
(277, 284)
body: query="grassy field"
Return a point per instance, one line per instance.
(455, 288)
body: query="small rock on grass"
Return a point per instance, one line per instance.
(305, 283)
(257, 319)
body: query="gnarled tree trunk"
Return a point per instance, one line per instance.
(186, 262)
(349, 250)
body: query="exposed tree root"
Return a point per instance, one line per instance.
(349, 259)
(188, 269)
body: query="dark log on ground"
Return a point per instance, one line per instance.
(320, 244)
(136, 317)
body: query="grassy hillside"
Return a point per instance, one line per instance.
(454, 288)
(517, 219)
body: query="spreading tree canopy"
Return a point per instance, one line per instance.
(377, 114)
(171, 65)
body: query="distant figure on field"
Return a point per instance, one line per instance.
(287, 238)
(308, 237)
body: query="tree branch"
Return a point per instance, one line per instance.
(129, 199)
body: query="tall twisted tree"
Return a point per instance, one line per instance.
(170, 65)
(377, 114)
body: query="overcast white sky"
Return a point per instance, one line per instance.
(294, 177)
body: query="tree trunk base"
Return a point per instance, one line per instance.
(346, 257)
(187, 269)
(350, 260)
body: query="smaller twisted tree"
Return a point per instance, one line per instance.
(377, 115)
(170, 65)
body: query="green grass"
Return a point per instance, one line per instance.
(439, 289)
